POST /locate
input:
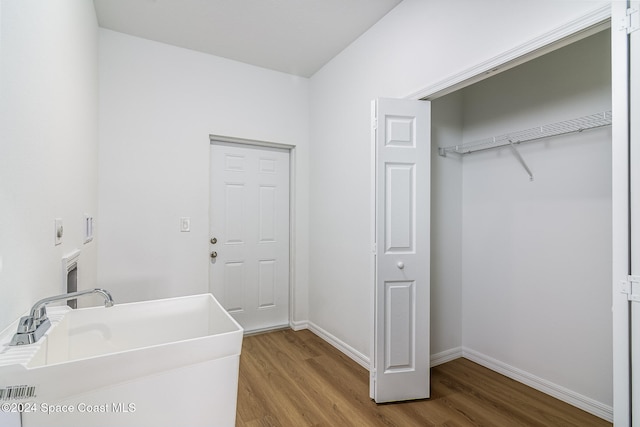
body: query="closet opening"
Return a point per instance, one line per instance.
(521, 228)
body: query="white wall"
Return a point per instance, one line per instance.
(158, 105)
(537, 255)
(48, 145)
(417, 44)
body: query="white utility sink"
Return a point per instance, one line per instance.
(158, 363)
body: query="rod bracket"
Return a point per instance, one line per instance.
(520, 159)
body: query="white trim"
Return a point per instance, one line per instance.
(373, 200)
(446, 356)
(265, 330)
(292, 232)
(243, 141)
(299, 325)
(222, 140)
(343, 347)
(582, 27)
(362, 359)
(559, 392)
(69, 262)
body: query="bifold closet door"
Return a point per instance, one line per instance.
(400, 356)
(625, 213)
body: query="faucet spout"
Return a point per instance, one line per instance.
(32, 327)
(36, 310)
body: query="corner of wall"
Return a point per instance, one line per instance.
(49, 125)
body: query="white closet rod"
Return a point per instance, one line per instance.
(579, 124)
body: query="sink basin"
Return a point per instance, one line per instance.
(163, 362)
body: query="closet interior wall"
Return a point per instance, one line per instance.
(530, 261)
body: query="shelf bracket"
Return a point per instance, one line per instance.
(520, 159)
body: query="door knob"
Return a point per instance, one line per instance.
(400, 265)
(214, 254)
(214, 240)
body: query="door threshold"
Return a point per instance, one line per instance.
(265, 330)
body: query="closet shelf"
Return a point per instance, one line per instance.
(579, 124)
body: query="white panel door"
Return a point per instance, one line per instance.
(402, 156)
(249, 223)
(626, 243)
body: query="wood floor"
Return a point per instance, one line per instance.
(296, 379)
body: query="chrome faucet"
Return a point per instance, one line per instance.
(32, 327)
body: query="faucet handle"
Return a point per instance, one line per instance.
(40, 316)
(25, 324)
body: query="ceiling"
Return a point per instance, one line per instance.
(293, 36)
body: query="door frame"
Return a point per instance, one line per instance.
(583, 26)
(253, 143)
(628, 100)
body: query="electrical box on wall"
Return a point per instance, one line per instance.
(70, 274)
(88, 228)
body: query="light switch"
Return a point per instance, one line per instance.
(185, 224)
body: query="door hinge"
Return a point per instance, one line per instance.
(631, 287)
(374, 123)
(632, 20)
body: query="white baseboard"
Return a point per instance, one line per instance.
(349, 351)
(358, 357)
(571, 397)
(446, 356)
(298, 325)
(263, 330)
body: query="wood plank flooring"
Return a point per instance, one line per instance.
(296, 379)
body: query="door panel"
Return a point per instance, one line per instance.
(402, 184)
(268, 214)
(399, 326)
(267, 283)
(234, 200)
(250, 219)
(399, 197)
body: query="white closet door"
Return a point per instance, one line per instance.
(626, 209)
(401, 352)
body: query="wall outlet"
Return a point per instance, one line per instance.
(185, 224)
(58, 231)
